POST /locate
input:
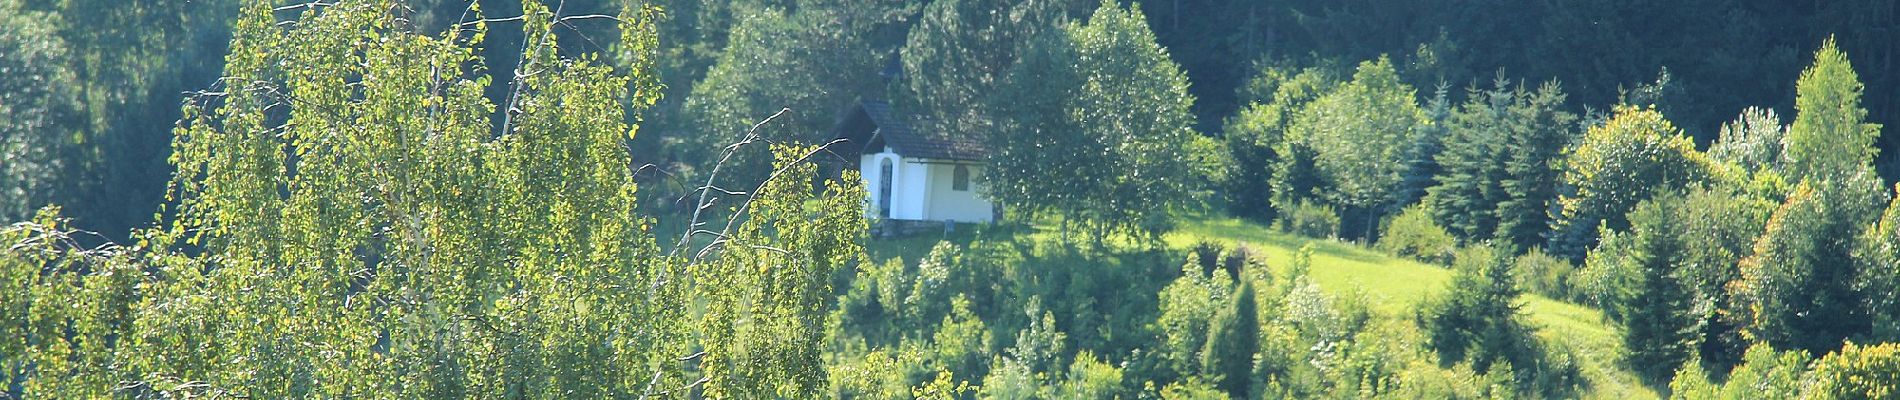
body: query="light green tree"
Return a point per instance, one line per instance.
(1830, 137)
(346, 225)
(1360, 134)
(1633, 156)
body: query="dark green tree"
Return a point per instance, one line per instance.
(960, 52)
(1539, 133)
(1657, 317)
(37, 139)
(1256, 136)
(1421, 159)
(1800, 281)
(812, 60)
(1469, 184)
(1478, 318)
(1098, 129)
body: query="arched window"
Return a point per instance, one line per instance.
(960, 179)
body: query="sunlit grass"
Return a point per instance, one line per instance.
(1396, 286)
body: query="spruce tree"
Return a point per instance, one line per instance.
(1659, 326)
(1539, 132)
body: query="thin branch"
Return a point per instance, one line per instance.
(699, 206)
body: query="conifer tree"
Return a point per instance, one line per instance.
(1659, 326)
(1232, 342)
(1539, 132)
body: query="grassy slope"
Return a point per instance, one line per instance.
(1396, 285)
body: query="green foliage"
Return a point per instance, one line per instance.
(1290, 171)
(812, 60)
(1659, 326)
(1857, 372)
(1753, 141)
(354, 229)
(1479, 321)
(1232, 340)
(1108, 95)
(1717, 228)
(1877, 258)
(1764, 374)
(1090, 378)
(1421, 158)
(1359, 133)
(1829, 138)
(1311, 220)
(1540, 131)
(1413, 234)
(64, 308)
(767, 293)
(1633, 156)
(1188, 309)
(1692, 382)
(962, 343)
(1498, 171)
(1545, 275)
(1192, 389)
(37, 140)
(1800, 281)
(960, 52)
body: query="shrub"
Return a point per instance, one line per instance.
(1312, 220)
(1546, 275)
(1857, 372)
(1415, 235)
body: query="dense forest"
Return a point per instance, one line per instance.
(1202, 199)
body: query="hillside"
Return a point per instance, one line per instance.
(1394, 286)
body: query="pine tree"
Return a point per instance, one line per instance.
(1421, 159)
(1470, 184)
(1539, 132)
(1657, 317)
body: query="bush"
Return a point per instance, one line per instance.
(1415, 235)
(1546, 275)
(1311, 220)
(1857, 372)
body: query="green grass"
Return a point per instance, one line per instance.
(1396, 286)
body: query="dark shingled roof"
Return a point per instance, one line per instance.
(910, 143)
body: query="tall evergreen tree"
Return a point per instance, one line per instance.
(1539, 133)
(1421, 159)
(1657, 317)
(1800, 282)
